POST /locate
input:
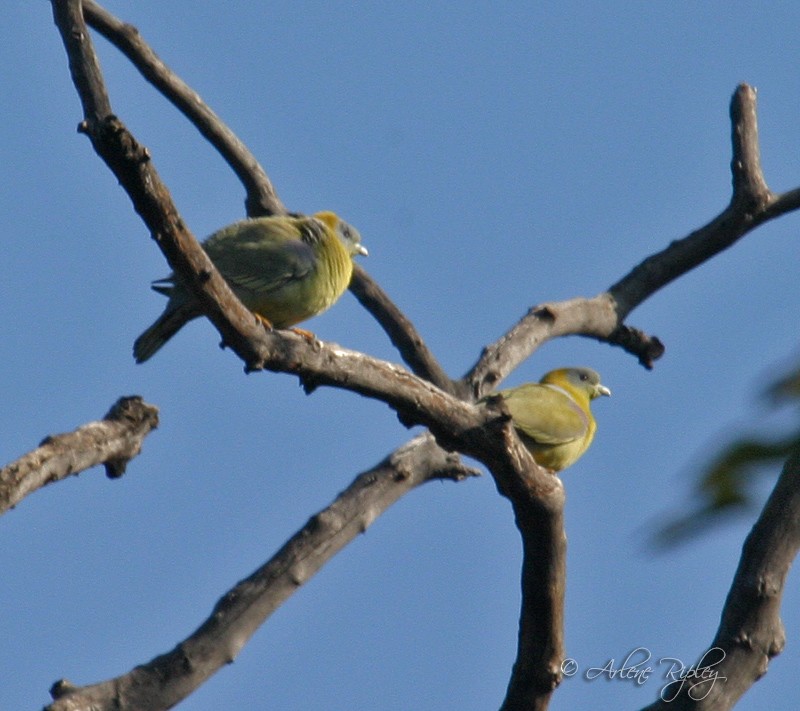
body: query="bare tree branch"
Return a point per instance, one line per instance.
(537, 497)
(455, 424)
(261, 197)
(112, 441)
(750, 632)
(747, 209)
(603, 316)
(539, 515)
(596, 317)
(167, 679)
(130, 163)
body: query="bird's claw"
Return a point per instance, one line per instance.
(265, 322)
(308, 335)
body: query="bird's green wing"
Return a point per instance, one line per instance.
(545, 414)
(258, 259)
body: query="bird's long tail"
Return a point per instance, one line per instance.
(165, 327)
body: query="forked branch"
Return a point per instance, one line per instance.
(603, 316)
(536, 496)
(261, 198)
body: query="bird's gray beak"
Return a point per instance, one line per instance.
(602, 390)
(362, 250)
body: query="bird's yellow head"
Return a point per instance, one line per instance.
(348, 234)
(582, 383)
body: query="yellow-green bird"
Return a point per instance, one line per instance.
(553, 418)
(285, 269)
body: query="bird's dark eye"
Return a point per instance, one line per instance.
(583, 376)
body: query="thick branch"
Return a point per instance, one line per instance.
(750, 632)
(83, 64)
(130, 163)
(537, 498)
(171, 677)
(112, 441)
(458, 425)
(261, 196)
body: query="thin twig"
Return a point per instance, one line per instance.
(538, 503)
(400, 330)
(262, 198)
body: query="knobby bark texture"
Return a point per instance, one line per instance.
(456, 424)
(424, 395)
(112, 442)
(603, 316)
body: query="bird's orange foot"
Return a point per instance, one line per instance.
(265, 322)
(310, 337)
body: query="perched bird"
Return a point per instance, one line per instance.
(285, 269)
(552, 417)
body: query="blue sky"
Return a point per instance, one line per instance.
(492, 158)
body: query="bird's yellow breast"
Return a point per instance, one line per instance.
(300, 299)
